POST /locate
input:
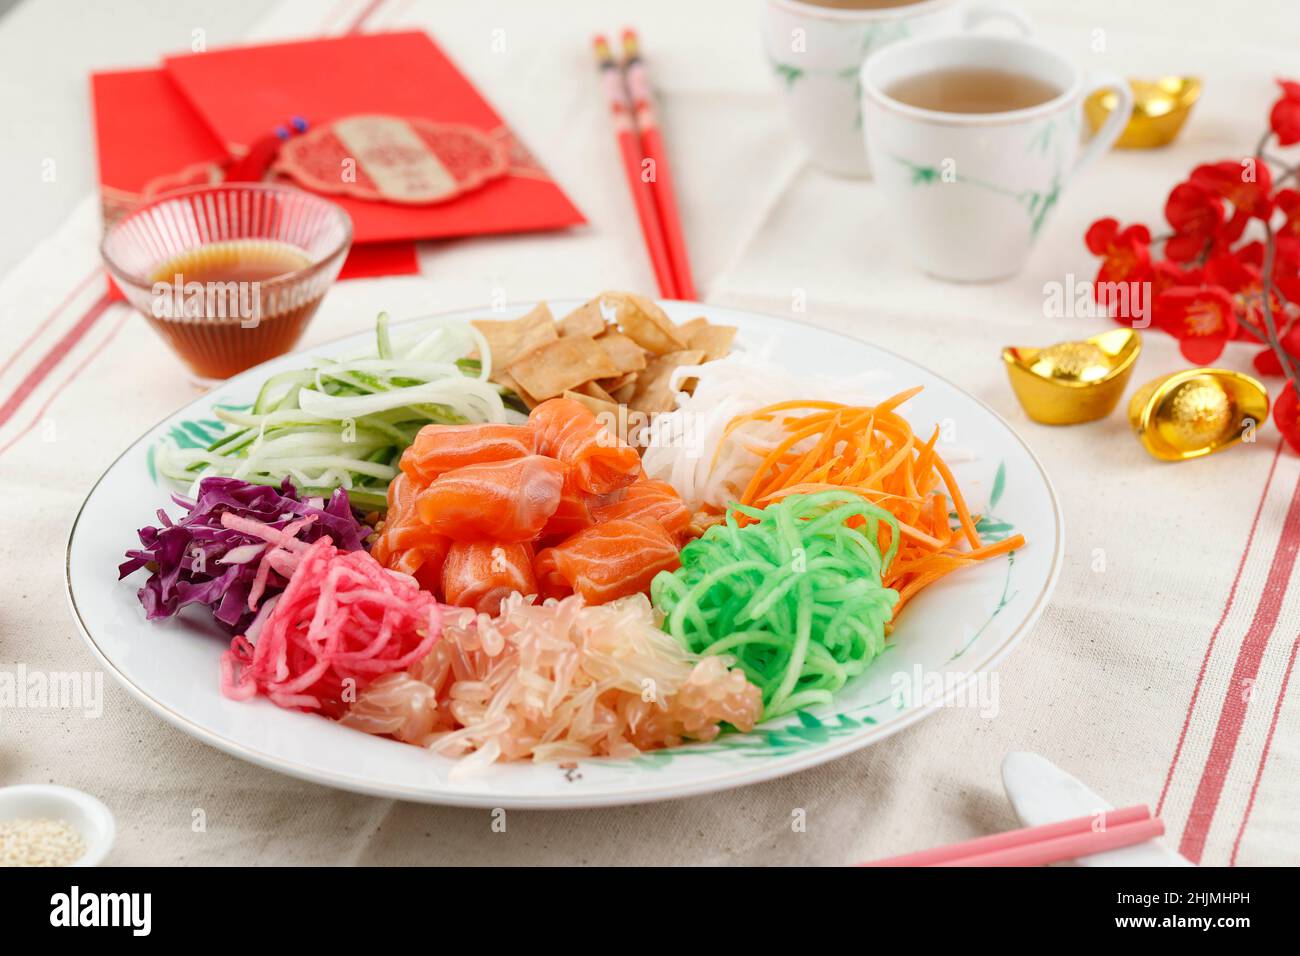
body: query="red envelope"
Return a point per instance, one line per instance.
(151, 141)
(245, 92)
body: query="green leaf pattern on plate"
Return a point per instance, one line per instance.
(802, 731)
(193, 433)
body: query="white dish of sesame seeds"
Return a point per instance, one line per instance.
(48, 825)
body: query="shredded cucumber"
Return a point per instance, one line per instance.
(345, 423)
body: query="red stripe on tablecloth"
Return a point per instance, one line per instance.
(45, 323)
(1246, 668)
(357, 25)
(335, 11)
(52, 358)
(1214, 635)
(40, 414)
(1263, 757)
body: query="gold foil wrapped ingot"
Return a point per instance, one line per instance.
(1160, 108)
(1196, 412)
(1072, 382)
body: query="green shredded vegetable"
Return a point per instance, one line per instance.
(344, 424)
(795, 596)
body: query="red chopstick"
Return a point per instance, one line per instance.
(1048, 843)
(652, 148)
(629, 144)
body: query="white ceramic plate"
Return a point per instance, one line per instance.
(953, 632)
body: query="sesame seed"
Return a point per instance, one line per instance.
(41, 842)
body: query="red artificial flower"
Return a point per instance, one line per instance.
(1126, 259)
(1203, 320)
(1286, 267)
(1240, 276)
(1267, 363)
(1166, 275)
(1245, 184)
(1288, 200)
(1197, 217)
(1285, 117)
(1250, 253)
(1286, 415)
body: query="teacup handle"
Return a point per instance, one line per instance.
(981, 13)
(1105, 137)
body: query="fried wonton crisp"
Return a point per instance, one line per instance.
(560, 365)
(654, 391)
(584, 320)
(713, 340)
(511, 339)
(626, 355)
(644, 322)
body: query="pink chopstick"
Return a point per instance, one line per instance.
(1035, 846)
(1067, 847)
(653, 149)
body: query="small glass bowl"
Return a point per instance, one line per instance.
(256, 259)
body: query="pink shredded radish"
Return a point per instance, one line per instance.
(556, 681)
(282, 554)
(343, 621)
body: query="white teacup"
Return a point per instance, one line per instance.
(816, 51)
(970, 191)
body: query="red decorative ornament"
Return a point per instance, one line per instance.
(394, 159)
(1210, 282)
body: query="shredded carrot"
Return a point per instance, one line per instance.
(874, 452)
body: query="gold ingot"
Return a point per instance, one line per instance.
(1196, 412)
(1160, 108)
(1072, 382)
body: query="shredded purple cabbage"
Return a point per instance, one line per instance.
(184, 557)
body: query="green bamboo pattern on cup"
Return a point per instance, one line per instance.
(873, 37)
(1036, 203)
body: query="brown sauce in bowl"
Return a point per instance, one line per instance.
(227, 306)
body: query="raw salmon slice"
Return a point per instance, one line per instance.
(573, 514)
(569, 432)
(438, 449)
(613, 559)
(550, 582)
(480, 574)
(656, 501)
(496, 501)
(406, 543)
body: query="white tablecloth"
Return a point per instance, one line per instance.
(1159, 673)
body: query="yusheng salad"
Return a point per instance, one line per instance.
(535, 586)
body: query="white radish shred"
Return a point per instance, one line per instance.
(686, 446)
